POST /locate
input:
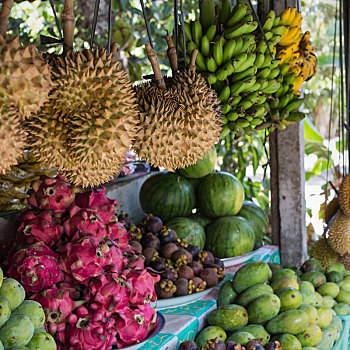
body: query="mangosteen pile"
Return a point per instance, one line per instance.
(218, 344)
(184, 268)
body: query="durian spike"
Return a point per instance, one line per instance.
(152, 57)
(68, 24)
(171, 52)
(4, 16)
(192, 65)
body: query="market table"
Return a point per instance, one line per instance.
(184, 322)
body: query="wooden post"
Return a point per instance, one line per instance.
(4, 16)
(68, 24)
(288, 183)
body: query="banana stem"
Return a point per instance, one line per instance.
(114, 50)
(68, 24)
(192, 66)
(152, 57)
(4, 16)
(172, 55)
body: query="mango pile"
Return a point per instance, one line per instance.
(297, 307)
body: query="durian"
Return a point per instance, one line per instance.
(180, 123)
(12, 137)
(322, 251)
(24, 77)
(89, 121)
(345, 260)
(331, 209)
(339, 234)
(344, 195)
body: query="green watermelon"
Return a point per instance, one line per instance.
(202, 168)
(200, 218)
(256, 217)
(188, 229)
(229, 236)
(167, 195)
(220, 194)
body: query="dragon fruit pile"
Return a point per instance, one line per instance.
(75, 259)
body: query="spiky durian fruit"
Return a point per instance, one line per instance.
(339, 234)
(12, 137)
(344, 195)
(24, 77)
(331, 209)
(345, 260)
(90, 120)
(322, 251)
(179, 124)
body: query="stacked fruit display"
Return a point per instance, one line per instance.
(239, 61)
(224, 223)
(21, 321)
(75, 260)
(183, 268)
(297, 307)
(336, 247)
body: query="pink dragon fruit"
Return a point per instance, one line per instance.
(39, 227)
(87, 258)
(36, 268)
(96, 199)
(51, 193)
(86, 222)
(90, 329)
(58, 305)
(142, 283)
(110, 291)
(117, 232)
(136, 262)
(134, 324)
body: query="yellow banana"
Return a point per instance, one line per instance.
(296, 22)
(297, 84)
(285, 16)
(291, 38)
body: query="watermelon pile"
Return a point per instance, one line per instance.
(206, 208)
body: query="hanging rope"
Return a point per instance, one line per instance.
(332, 92)
(183, 30)
(267, 155)
(94, 23)
(176, 25)
(146, 23)
(110, 12)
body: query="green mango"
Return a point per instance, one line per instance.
(34, 311)
(344, 285)
(17, 331)
(229, 317)
(253, 273)
(13, 292)
(324, 316)
(5, 310)
(312, 265)
(283, 273)
(334, 330)
(289, 342)
(338, 267)
(342, 309)
(308, 297)
(307, 286)
(334, 276)
(258, 331)
(291, 321)
(284, 282)
(246, 297)
(326, 342)
(264, 308)
(328, 301)
(333, 312)
(319, 299)
(315, 277)
(309, 348)
(346, 274)
(311, 336)
(311, 312)
(290, 298)
(343, 297)
(274, 268)
(336, 321)
(241, 337)
(43, 341)
(208, 333)
(227, 294)
(329, 288)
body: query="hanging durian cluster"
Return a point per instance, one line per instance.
(24, 86)
(89, 121)
(322, 251)
(179, 123)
